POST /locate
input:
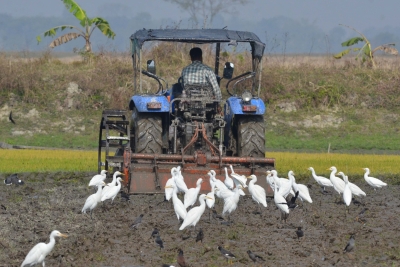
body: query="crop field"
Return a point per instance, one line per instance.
(28, 160)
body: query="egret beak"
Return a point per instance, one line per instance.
(328, 169)
(63, 235)
(169, 186)
(209, 197)
(249, 177)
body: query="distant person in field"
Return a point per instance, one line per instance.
(198, 73)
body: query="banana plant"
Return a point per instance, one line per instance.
(88, 26)
(366, 53)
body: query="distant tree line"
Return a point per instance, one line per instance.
(282, 35)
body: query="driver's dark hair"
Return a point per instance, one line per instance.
(196, 53)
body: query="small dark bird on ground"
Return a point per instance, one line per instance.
(227, 223)
(181, 259)
(254, 257)
(137, 222)
(350, 245)
(227, 254)
(155, 232)
(200, 236)
(167, 265)
(159, 241)
(10, 118)
(360, 216)
(185, 237)
(299, 232)
(216, 216)
(125, 196)
(13, 179)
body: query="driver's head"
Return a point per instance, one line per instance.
(196, 54)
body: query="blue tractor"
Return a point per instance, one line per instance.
(184, 125)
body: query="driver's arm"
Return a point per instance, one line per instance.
(212, 79)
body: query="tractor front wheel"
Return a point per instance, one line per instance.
(251, 136)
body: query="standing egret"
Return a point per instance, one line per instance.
(355, 190)
(191, 195)
(179, 181)
(374, 182)
(92, 201)
(210, 201)
(217, 183)
(257, 192)
(338, 184)
(281, 203)
(270, 180)
(284, 185)
(179, 208)
(169, 190)
(113, 192)
(231, 200)
(241, 178)
(347, 194)
(228, 180)
(112, 184)
(98, 178)
(322, 181)
(304, 194)
(193, 216)
(39, 252)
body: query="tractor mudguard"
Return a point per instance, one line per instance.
(150, 103)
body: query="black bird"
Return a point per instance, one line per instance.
(350, 245)
(159, 241)
(125, 196)
(299, 232)
(10, 118)
(13, 179)
(137, 221)
(227, 254)
(200, 236)
(216, 216)
(254, 257)
(155, 232)
(167, 265)
(227, 223)
(181, 259)
(292, 202)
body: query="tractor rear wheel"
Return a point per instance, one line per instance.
(251, 136)
(147, 132)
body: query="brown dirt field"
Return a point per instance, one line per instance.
(49, 201)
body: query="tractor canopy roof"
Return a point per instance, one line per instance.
(198, 36)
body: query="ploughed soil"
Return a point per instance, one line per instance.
(49, 201)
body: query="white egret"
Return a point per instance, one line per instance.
(217, 183)
(281, 203)
(355, 190)
(228, 180)
(179, 208)
(304, 193)
(231, 200)
(257, 192)
(191, 195)
(347, 194)
(112, 184)
(179, 181)
(193, 216)
(270, 180)
(241, 178)
(98, 178)
(372, 181)
(171, 181)
(39, 252)
(210, 201)
(92, 201)
(322, 181)
(113, 191)
(284, 185)
(338, 184)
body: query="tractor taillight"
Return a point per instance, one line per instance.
(153, 105)
(249, 108)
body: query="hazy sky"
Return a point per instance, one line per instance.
(325, 14)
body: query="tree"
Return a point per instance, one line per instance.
(88, 24)
(207, 8)
(366, 53)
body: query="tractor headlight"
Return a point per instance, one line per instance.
(246, 96)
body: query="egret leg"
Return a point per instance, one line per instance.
(91, 211)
